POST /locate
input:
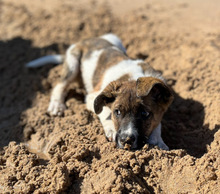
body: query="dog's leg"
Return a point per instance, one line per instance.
(107, 123)
(70, 71)
(104, 116)
(156, 139)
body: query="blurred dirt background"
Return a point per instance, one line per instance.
(69, 154)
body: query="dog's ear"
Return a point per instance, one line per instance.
(107, 96)
(156, 88)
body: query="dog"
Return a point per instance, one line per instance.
(129, 96)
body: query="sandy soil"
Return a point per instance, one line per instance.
(70, 154)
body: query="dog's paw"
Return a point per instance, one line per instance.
(163, 146)
(110, 134)
(56, 108)
(153, 140)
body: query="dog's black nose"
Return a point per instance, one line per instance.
(125, 139)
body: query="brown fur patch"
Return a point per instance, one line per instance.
(147, 68)
(106, 96)
(108, 58)
(157, 110)
(145, 86)
(124, 78)
(66, 71)
(89, 45)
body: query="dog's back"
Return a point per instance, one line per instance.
(97, 56)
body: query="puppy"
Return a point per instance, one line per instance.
(128, 96)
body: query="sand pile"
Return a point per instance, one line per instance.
(70, 154)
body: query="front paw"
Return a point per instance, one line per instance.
(160, 143)
(110, 134)
(163, 146)
(56, 108)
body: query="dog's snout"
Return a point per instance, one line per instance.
(127, 139)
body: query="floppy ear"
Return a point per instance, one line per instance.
(158, 90)
(107, 96)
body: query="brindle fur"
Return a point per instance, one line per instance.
(131, 97)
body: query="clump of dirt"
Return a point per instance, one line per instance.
(70, 154)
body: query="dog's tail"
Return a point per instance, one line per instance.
(50, 59)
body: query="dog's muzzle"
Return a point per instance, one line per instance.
(123, 138)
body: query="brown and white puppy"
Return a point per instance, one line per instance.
(129, 96)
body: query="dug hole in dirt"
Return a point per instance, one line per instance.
(70, 154)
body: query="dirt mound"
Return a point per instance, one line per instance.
(70, 154)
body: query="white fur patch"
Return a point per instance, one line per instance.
(57, 106)
(131, 131)
(130, 67)
(156, 139)
(113, 39)
(107, 123)
(72, 61)
(104, 116)
(88, 69)
(90, 98)
(156, 75)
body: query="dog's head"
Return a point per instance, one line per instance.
(137, 108)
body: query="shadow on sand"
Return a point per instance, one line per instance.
(183, 127)
(18, 84)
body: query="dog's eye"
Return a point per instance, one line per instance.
(145, 114)
(117, 112)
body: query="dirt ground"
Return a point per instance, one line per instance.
(69, 154)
